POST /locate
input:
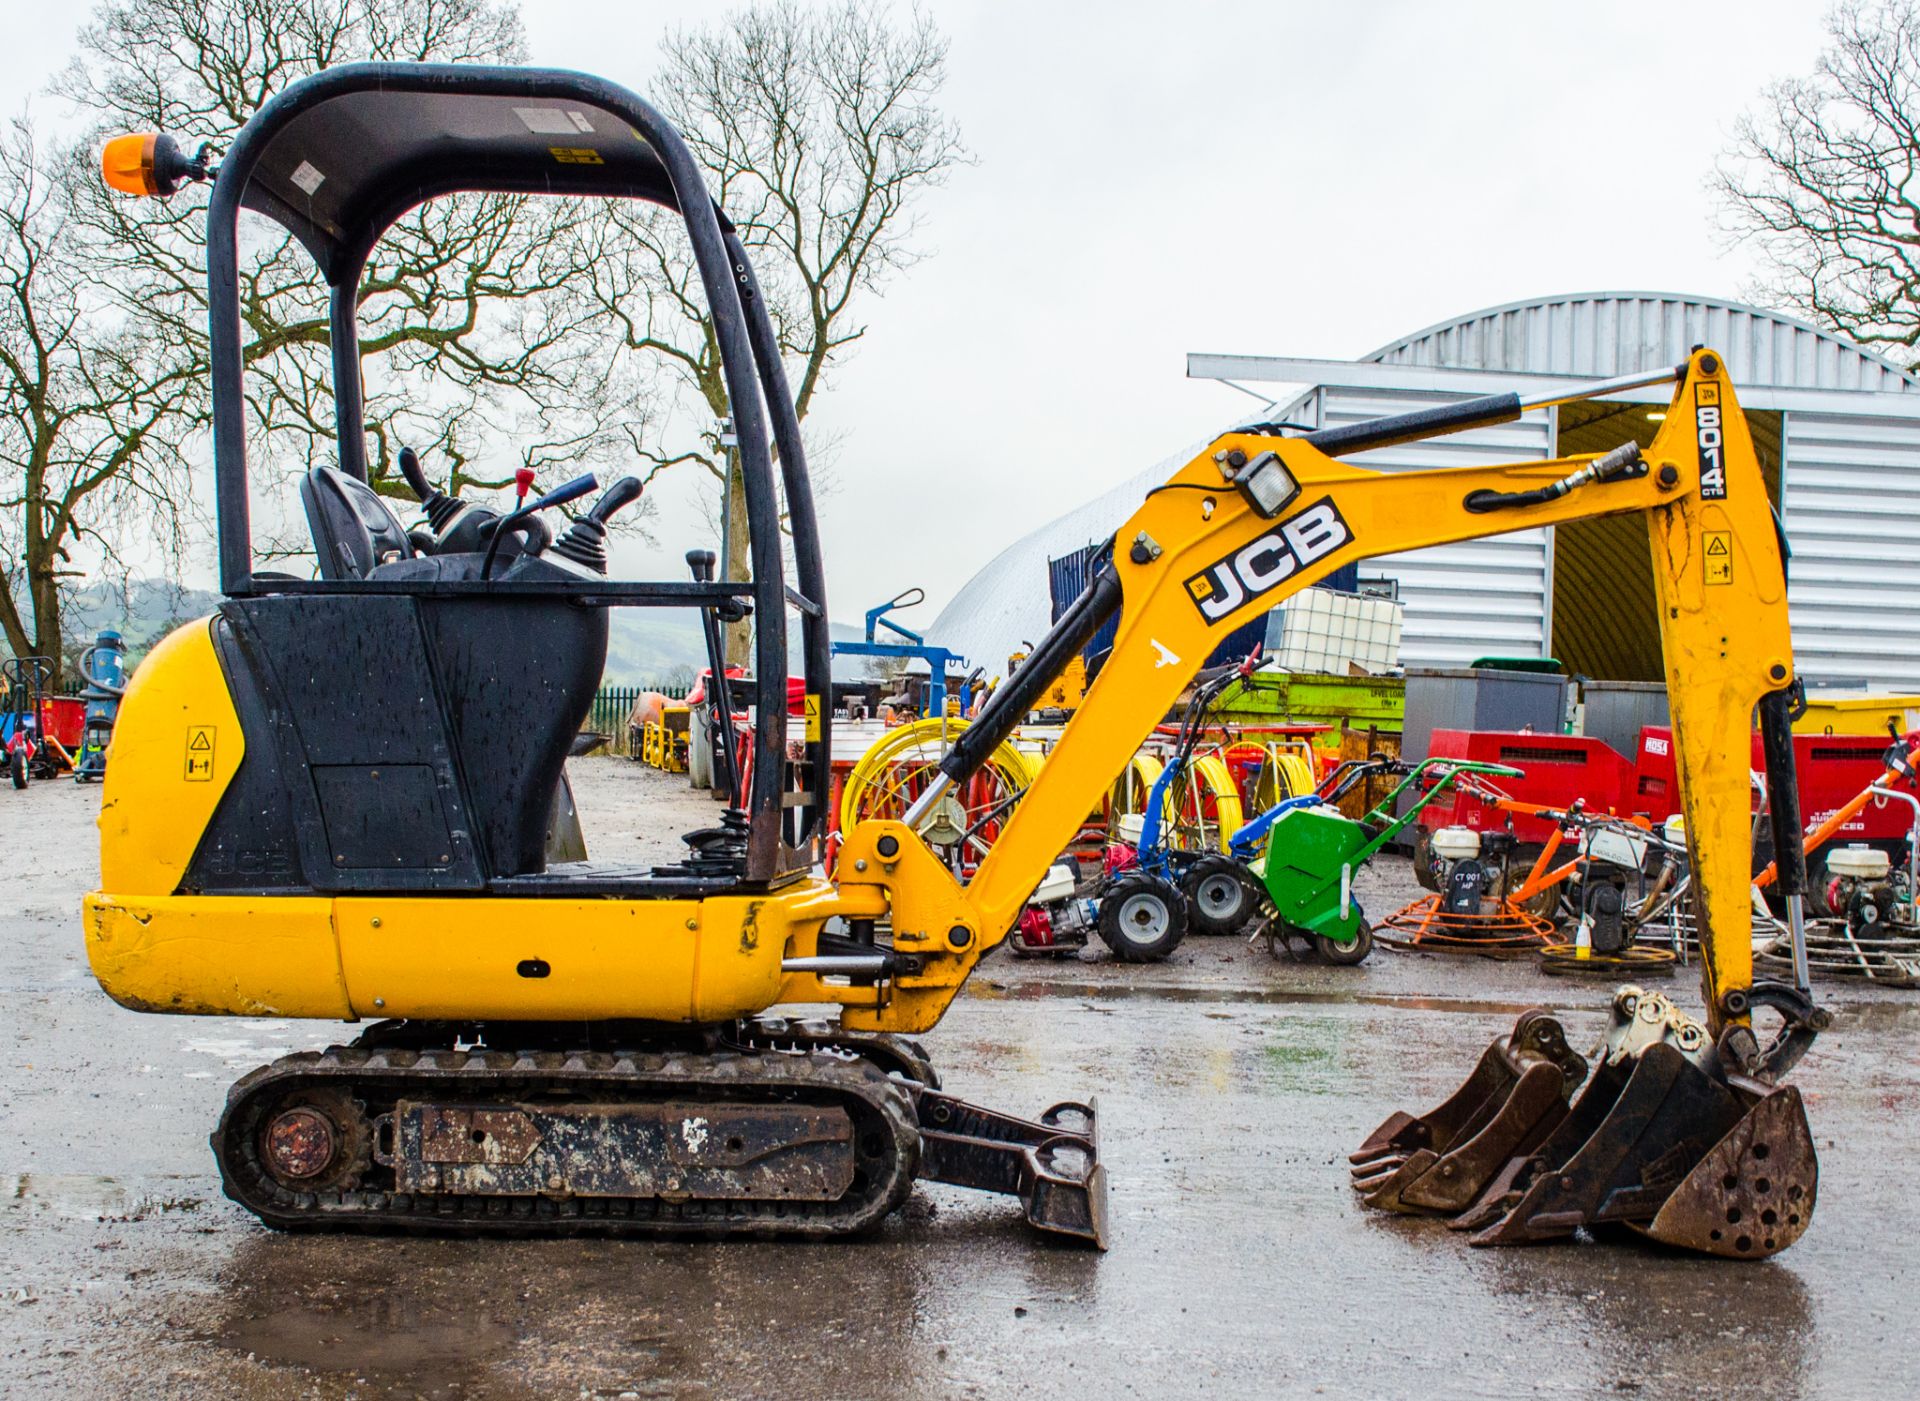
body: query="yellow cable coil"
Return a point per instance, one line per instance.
(882, 773)
(1296, 774)
(1129, 791)
(1285, 772)
(1209, 772)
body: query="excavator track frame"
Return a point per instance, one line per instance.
(412, 1090)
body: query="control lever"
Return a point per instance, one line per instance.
(585, 541)
(440, 508)
(559, 496)
(719, 694)
(416, 478)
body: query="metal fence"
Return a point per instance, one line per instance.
(612, 705)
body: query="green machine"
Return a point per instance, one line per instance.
(1314, 850)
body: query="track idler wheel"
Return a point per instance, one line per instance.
(1441, 1161)
(315, 1141)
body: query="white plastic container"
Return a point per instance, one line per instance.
(1058, 885)
(1858, 863)
(1455, 843)
(1326, 630)
(1130, 825)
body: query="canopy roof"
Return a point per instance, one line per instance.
(338, 158)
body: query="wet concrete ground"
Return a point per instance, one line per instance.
(1231, 1088)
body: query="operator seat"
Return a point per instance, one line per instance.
(354, 531)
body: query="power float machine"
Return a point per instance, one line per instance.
(329, 799)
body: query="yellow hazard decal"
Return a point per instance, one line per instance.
(200, 753)
(813, 719)
(576, 155)
(1719, 557)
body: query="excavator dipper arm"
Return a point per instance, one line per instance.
(1681, 1130)
(1254, 519)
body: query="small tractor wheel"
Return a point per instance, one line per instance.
(1347, 954)
(1423, 861)
(1142, 918)
(17, 767)
(1222, 895)
(1545, 903)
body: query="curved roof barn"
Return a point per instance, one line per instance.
(1837, 427)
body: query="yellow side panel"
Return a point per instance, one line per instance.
(176, 746)
(562, 960)
(215, 955)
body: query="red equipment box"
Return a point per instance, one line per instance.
(1561, 769)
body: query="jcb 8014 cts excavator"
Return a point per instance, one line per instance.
(332, 799)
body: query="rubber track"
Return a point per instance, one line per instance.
(876, 1103)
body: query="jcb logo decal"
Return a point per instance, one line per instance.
(1713, 457)
(1269, 561)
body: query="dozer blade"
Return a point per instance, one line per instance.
(1441, 1161)
(1052, 1165)
(1753, 1195)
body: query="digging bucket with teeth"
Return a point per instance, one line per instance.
(1439, 1162)
(1676, 1136)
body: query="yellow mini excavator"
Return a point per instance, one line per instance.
(334, 797)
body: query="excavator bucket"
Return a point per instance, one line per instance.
(1664, 1139)
(1440, 1162)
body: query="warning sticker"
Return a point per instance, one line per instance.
(199, 753)
(576, 155)
(308, 177)
(1719, 557)
(813, 719)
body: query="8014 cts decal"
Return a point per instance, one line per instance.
(1713, 458)
(1266, 563)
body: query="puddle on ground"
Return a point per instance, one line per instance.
(1097, 992)
(86, 1197)
(385, 1336)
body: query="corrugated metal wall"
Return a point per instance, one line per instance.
(1484, 598)
(1851, 479)
(1852, 485)
(1619, 332)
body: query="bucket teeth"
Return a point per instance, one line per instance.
(1661, 1139)
(1440, 1162)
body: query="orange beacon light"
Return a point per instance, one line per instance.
(148, 164)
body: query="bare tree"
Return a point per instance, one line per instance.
(817, 128)
(1824, 180)
(91, 434)
(478, 329)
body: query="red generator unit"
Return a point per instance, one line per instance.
(1563, 769)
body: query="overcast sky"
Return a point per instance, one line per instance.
(1289, 177)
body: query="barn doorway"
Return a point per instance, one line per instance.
(1604, 622)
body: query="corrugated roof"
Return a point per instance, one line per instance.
(1614, 333)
